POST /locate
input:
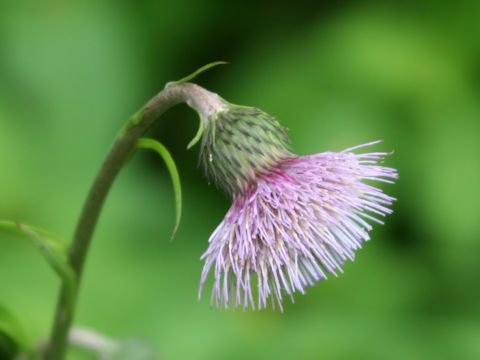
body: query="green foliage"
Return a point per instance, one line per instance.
(196, 73)
(53, 249)
(13, 339)
(49, 242)
(161, 150)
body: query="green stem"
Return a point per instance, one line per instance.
(124, 144)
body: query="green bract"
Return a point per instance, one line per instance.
(240, 143)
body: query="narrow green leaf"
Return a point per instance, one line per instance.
(58, 261)
(13, 338)
(53, 249)
(195, 73)
(197, 136)
(55, 241)
(154, 145)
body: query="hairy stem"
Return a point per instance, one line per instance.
(124, 144)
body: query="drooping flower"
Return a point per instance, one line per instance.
(293, 219)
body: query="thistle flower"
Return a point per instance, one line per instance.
(294, 219)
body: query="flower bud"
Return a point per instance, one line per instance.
(239, 144)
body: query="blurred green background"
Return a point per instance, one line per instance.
(337, 74)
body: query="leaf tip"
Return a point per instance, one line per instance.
(196, 73)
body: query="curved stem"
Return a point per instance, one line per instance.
(195, 96)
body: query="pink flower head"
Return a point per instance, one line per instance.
(294, 219)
